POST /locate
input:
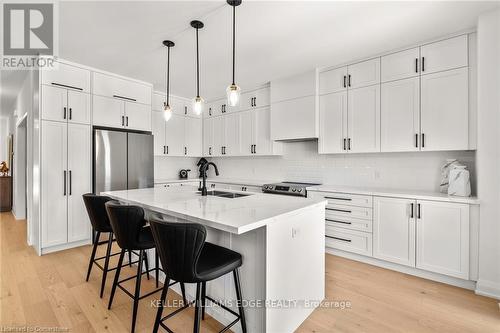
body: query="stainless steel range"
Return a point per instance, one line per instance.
(289, 188)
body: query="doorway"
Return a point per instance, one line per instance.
(19, 168)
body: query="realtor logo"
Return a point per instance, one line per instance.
(28, 29)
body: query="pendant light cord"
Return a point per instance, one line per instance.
(234, 39)
(197, 66)
(168, 74)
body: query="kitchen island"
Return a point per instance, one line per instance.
(281, 239)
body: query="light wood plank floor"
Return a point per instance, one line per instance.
(51, 291)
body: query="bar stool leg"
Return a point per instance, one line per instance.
(115, 281)
(163, 297)
(197, 312)
(145, 255)
(92, 256)
(203, 299)
(137, 289)
(157, 267)
(106, 263)
(183, 290)
(237, 286)
(129, 258)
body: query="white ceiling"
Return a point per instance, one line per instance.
(274, 38)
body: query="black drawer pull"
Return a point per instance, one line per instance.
(340, 239)
(333, 198)
(65, 86)
(337, 221)
(127, 98)
(340, 210)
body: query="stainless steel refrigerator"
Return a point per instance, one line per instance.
(122, 160)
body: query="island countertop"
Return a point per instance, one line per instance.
(234, 215)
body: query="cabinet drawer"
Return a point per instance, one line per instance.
(349, 211)
(67, 76)
(348, 240)
(111, 86)
(348, 199)
(349, 223)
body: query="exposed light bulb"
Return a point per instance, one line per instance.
(198, 105)
(167, 112)
(233, 95)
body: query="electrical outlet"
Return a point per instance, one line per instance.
(295, 232)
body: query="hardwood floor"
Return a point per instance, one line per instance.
(50, 291)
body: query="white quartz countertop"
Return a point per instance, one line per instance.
(238, 215)
(383, 192)
(234, 181)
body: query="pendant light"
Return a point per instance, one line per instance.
(167, 110)
(233, 91)
(197, 101)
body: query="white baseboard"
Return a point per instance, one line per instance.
(488, 288)
(404, 269)
(66, 246)
(18, 217)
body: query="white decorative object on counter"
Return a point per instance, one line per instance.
(445, 172)
(459, 181)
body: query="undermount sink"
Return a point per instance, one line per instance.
(224, 194)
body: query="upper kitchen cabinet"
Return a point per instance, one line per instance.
(445, 110)
(255, 136)
(255, 99)
(444, 55)
(333, 123)
(363, 74)
(125, 89)
(179, 136)
(400, 65)
(67, 76)
(294, 109)
(333, 81)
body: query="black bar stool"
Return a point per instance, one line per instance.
(100, 223)
(131, 232)
(182, 248)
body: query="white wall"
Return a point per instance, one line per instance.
(301, 162)
(169, 167)
(488, 153)
(4, 134)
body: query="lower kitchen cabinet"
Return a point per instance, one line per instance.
(349, 240)
(443, 238)
(394, 230)
(65, 176)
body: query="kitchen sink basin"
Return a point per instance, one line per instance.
(224, 194)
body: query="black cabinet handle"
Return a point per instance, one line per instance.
(70, 113)
(337, 221)
(255, 149)
(344, 81)
(255, 101)
(65, 86)
(416, 140)
(349, 80)
(123, 97)
(185, 150)
(423, 140)
(126, 118)
(336, 198)
(164, 150)
(416, 65)
(64, 112)
(340, 210)
(411, 210)
(340, 239)
(349, 144)
(345, 143)
(64, 181)
(209, 111)
(423, 64)
(167, 150)
(123, 120)
(185, 109)
(209, 150)
(70, 182)
(418, 212)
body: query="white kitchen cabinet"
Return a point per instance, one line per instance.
(61, 104)
(255, 138)
(208, 136)
(174, 136)
(54, 162)
(400, 65)
(247, 132)
(443, 238)
(400, 115)
(362, 74)
(79, 180)
(363, 119)
(256, 99)
(394, 230)
(231, 143)
(158, 130)
(193, 136)
(108, 112)
(444, 110)
(349, 240)
(137, 116)
(444, 55)
(332, 120)
(294, 119)
(219, 135)
(67, 76)
(297, 86)
(332, 81)
(118, 87)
